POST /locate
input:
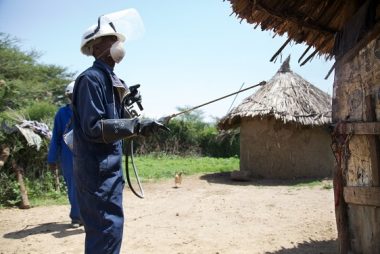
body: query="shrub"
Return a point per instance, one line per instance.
(9, 190)
(41, 111)
(190, 137)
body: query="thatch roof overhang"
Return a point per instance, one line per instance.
(286, 97)
(315, 22)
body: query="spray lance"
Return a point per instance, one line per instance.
(130, 112)
(166, 119)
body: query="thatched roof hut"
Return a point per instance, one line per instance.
(313, 22)
(287, 97)
(349, 31)
(283, 129)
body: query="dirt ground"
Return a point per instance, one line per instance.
(207, 214)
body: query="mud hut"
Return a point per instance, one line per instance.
(283, 129)
(349, 32)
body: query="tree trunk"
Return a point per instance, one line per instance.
(57, 185)
(20, 179)
(4, 155)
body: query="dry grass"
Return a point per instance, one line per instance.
(287, 97)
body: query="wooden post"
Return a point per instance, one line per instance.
(340, 148)
(368, 232)
(57, 184)
(360, 202)
(20, 179)
(374, 144)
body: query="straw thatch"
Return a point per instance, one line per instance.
(314, 22)
(286, 97)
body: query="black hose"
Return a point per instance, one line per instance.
(129, 152)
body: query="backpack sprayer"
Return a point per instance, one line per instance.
(130, 112)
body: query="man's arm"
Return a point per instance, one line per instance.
(93, 120)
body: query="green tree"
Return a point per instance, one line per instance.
(196, 115)
(31, 90)
(25, 81)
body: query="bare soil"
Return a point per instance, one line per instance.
(207, 214)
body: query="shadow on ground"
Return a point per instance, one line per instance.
(224, 178)
(312, 247)
(58, 230)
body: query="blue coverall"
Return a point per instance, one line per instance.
(97, 165)
(59, 152)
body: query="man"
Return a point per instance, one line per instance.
(98, 129)
(59, 152)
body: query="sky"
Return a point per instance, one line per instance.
(192, 51)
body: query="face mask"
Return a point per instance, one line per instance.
(117, 51)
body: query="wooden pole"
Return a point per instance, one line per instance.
(340, 149)
(280, 49)
(20, 179)
(374, 143)
(57, 184)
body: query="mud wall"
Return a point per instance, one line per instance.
(272, 149)
(354, 82)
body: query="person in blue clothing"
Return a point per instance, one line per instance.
(99, 127)
(60, 154)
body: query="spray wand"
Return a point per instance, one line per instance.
(166, 119)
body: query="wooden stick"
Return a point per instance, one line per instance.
(304, 53)
(341, 210)
(309, 57)
(20, 179)
(315, 52)
(340, 147)
(280, 49)
(57, 184)
(330, 71)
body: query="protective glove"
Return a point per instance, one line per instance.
(116, 129)
(148, 127)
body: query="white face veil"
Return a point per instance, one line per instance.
(126, 25)
(128, 22)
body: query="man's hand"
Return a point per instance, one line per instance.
(148, 127)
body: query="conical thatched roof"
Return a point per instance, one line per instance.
(288, 97)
